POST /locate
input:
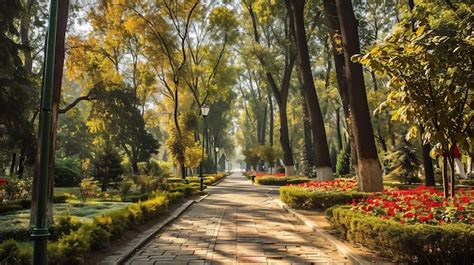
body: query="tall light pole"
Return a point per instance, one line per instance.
(204, 112)
(216, 149)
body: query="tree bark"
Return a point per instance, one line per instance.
(63, 7)
(272, 119)
(323, 162)
(334, 28)
(427, 162)
(13, 164)
(368, 169)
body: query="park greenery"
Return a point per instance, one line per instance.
(375, 94)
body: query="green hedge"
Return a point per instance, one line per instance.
(412, 243)
(308, 199)
(280, 181)
(77, 239)
(25, 204)
(468, 182)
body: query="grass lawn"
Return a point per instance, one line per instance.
(19, 220)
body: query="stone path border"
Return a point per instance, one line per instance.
(156, 229)
(340, 246)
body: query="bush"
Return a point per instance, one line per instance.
(279, 181)
(11, 252)
(307, 199)
(67, 172)
(467, 182)
(412, 243)
(6, 207)
(88, 188)
(343, 164)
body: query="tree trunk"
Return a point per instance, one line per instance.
(332, 20)
(338, 129)
(368, 169)
(285, 141)
(323, 161)
(427, 162)
(13, 164)
(308, 141)
(63, 8)
(270, 135)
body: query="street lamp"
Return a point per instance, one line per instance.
(228, 165)
(204, 111)
(217, 151)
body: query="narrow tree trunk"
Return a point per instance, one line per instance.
(330, 11)
(21, 162)
(338, 129)
(285, 141)
(63, 8)
(13, 164)
(323, 161)
(368, 168)
(445, 174)
(427, 162)
(272, 119)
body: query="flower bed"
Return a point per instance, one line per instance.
(416, 225)
(419, 205)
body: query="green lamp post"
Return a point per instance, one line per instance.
(204, 112)
(40, 232)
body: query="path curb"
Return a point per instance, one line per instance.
(356, 259)
(176, 213)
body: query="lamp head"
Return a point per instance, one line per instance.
(205, 110)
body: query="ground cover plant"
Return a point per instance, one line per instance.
(74, 237)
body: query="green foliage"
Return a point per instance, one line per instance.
(307, 199)
(343, 163)
(280, 181)
(404, 163)
(419, 243)
(430, 68)
(88, 188)
(126, 185)
(11, 252)
(115, 118)
(17, 188)
(107, 166)
(67, 172)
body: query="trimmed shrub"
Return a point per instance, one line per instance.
(412, 243)
(11, 252)
(4, 207)
(307, 199)
(279, 181)
(467, 182)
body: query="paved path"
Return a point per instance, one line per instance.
(237, 224)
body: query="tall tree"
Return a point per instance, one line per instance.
(279, 92)
(369, 171)
(334, 31)
(322, 159)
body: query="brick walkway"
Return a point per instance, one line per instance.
(237, 224)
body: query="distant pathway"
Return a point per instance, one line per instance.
(237, 224)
